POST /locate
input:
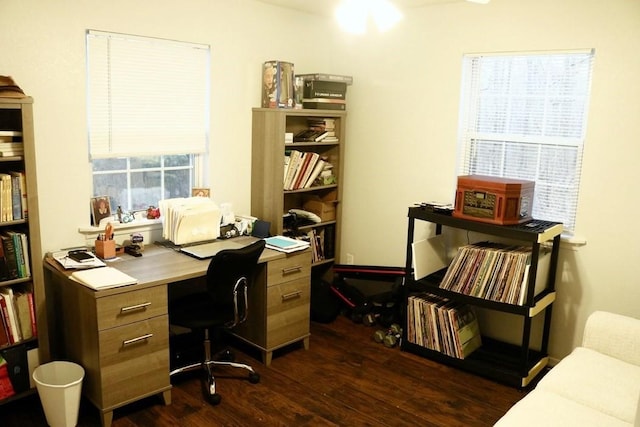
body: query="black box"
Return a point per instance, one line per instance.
(18, 367)
(324, 104)
(323, 89)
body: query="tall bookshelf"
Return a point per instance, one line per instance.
(16, 125)
(498, 359)
(269, 200)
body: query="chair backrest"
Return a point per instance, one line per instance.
(230, 273)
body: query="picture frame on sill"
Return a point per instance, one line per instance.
(200, 192)
(100, 209)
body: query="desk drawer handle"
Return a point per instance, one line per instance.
(137, 339)
(292, 295)
(290, 270)
(135, 307)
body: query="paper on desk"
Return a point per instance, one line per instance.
(285, 244)
(103, 278)
(63, 259)
(189, 220)
(429, 256)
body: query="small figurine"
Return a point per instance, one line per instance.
(153, 212)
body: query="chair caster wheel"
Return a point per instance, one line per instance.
(254, 378)
(214, 399)
(227, 356)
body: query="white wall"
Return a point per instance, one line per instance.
(402, 114)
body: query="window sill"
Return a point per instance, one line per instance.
(151, 230)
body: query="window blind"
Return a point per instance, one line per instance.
(146, 96)
(524, 116)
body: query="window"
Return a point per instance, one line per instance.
(148, 113)
(524, 116)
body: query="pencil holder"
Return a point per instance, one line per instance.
(106, 249)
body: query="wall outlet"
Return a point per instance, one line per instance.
(350, 259)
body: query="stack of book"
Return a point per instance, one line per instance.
(11, 143)
(14, 256)
(325, 125)
(316, 240)
(17, 314)
(442, 325)
(325, 91)
(302, 168)
(492, 271)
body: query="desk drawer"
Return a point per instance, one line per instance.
(292, 267)
(134, 360)
(287, 311)
(128, 307)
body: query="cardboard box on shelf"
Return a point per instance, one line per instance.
(323, 206)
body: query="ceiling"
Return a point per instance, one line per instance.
(326, 7)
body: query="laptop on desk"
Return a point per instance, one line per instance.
(208, 250)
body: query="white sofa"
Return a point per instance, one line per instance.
(598, 384)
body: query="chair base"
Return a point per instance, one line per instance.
(207, 366)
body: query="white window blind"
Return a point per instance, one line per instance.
(146, 96)
(524, 116)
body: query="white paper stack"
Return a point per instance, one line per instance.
(190, 220)
(286, 244)
(103, 278)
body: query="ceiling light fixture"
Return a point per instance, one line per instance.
(354, 15)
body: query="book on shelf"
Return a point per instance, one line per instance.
(328, 77)
(10, 149)
(288, 137)
(16, 197)
(295, 157)
(10, 260)
(309, 135)
(6, 210)
(7, 305)
(308, 169)
(4, 335)
(316, 240)
(22, 189)
(442, 325)
(6, 388)
(319, 167)
(23, 311)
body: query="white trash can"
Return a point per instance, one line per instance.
(59, 384)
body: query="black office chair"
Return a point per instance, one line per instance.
(223, 306)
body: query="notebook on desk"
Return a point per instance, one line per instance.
(208, 250)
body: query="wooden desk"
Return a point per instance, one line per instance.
(121, 335)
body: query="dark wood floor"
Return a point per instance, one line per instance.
(344, 379)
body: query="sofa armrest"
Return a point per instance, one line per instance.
(614, 335)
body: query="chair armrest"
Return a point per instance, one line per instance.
(614, 335)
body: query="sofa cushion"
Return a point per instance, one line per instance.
(548, 409)
(598, 381)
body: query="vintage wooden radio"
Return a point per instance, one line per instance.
(502, 201)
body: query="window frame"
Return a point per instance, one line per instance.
(473, 136)
(112, 134)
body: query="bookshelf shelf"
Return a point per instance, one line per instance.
(16, 121)
(269, 199)
(515, 365)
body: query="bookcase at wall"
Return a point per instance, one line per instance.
(271, 202)
(516, 364)
(21, 281)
